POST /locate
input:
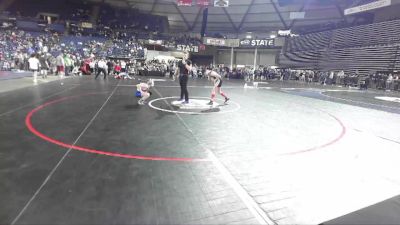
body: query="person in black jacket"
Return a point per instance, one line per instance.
(44, 65)
(183, 69)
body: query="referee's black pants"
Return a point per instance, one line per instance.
(183, 80)
(101, 70)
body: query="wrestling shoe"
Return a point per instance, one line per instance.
(226, 100)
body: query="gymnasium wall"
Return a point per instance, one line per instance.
(387, 13)
(223, 57)
(246, 57)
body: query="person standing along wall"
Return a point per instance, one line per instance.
(68, 64)
(44, 65)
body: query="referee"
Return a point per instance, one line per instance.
(102, 68)
(183, 69)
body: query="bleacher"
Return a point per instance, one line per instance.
(130, 19)
(301, 59)
(76, 11)
(372, 34)
(366, 59)
(365, 48)
(309, 41)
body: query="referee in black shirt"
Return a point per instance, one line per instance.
(183, 69)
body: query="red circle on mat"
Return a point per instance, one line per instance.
(32, 129)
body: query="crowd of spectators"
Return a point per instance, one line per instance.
(17, 46)
(378, 80)
(388, 81)
(184, 40)
(120, 45)
(384, 81)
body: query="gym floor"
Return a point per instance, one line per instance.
(86, 153)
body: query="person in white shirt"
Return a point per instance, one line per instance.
(60, 65)
(101, 68)
(45, 49)
(194, 71)
(123, 66)
(92, 65)
(389, 82)
(331, 76)
(34, 66)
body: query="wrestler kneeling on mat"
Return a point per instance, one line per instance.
(145, 93)
(217, 79)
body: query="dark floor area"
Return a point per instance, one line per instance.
(86, 153)
(386, 212)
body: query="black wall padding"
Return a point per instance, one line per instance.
(283, 3)
(204, 23)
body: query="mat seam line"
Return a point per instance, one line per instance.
(60, 162)
(261, 216)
